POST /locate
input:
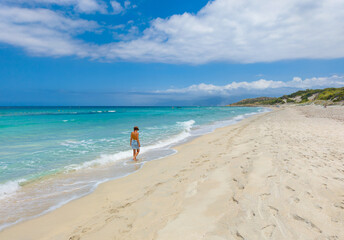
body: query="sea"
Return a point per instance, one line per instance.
(52, 155)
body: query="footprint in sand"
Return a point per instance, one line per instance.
(203, 177)
(240, 186)
(339, 205)
(239, 236)
(333, 238)
(268, 230)
(75, 237)
(289, 188)
(309, 223)
(274, 211)
(309, 194)
(85, 230)
(265, 194)
(235, 200)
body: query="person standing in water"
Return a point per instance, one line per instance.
(135, 142)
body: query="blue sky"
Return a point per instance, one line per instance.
(149, 52)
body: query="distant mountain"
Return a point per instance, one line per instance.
(321, 96)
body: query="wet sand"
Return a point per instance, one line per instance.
(278, 175)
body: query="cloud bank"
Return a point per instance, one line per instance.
(209, 94)
(245, 31)
(262, 84)
(199, 95)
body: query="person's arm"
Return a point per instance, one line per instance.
(138, 141)
(131, 138)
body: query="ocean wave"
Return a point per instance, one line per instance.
(186, 130)
(102, 160)
(157, 127)
(61, 113)
(75, 144)
(112, 158)
(187, 125)
(3, 167)
(9, 188)
(88, 144)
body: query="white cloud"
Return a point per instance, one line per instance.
(42, 31)
(84, 6)
(117, 7)
(89, 6)
(243, 31)
(44, 17)
(262, 84)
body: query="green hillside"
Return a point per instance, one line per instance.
(327, 95)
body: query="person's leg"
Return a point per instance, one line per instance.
(137, 152)
(134, 154)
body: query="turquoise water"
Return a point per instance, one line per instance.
(49, 156)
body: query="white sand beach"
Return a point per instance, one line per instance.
(278, 175)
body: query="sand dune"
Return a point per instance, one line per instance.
(279, 175)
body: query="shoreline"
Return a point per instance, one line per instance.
(213, 181)
(208, 128)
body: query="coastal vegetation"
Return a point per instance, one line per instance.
(317, 96)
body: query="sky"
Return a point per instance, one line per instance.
(163, 53)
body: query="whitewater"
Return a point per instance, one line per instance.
(52, 155)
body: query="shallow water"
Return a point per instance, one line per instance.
(49, 156)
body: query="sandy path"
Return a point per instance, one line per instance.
(279, 175)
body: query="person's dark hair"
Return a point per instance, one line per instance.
(136, 128)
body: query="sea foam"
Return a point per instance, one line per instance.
(103, 141)
(112, 158)
(9, 188)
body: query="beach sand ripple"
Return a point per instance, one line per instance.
(278, 175)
